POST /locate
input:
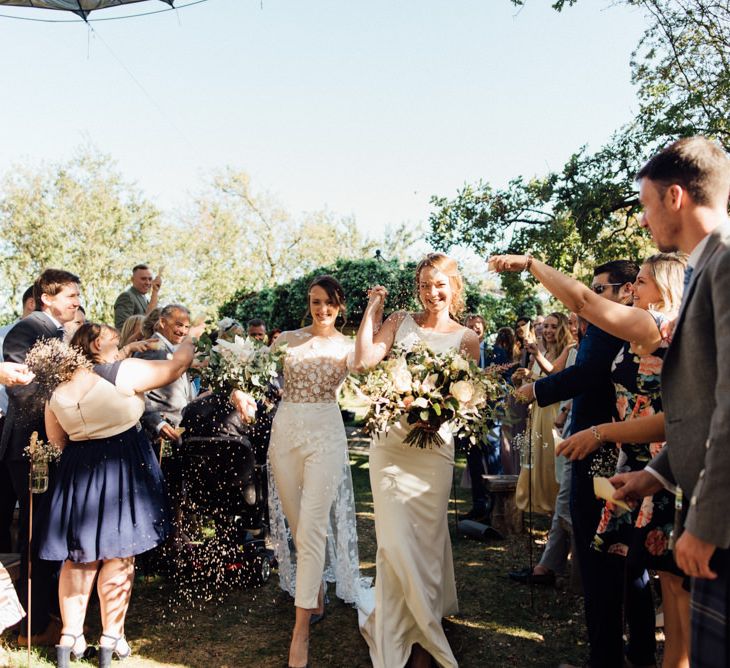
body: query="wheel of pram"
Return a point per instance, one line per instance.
(263, 568)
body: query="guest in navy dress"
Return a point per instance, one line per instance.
(109, 501)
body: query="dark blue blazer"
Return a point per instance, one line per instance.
(25, 412)
(587, 382)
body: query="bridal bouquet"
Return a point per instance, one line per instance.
(430, 389)
(242, 364)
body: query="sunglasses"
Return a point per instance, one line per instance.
(600, 288)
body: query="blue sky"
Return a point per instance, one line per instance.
(366, 108)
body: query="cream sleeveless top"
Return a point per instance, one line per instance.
(102, 412)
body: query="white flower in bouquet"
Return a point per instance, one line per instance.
(400, 375)
(460, 364)
(463, 390)
(240, 349)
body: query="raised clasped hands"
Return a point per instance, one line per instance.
(244, 404)
(503, 263)
(376, 298)
(15, 374)
(578, 446)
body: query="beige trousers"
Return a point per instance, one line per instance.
(307, 453)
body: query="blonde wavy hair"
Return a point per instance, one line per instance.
(563, 337)
(448, 266)
(667, 270)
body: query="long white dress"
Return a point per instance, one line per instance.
(414, 583)
(309, 420)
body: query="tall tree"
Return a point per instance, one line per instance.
(79, 215)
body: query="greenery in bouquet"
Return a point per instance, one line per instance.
(431, 389)
(242, 364)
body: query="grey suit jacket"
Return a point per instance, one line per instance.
(130, 302)
(696, 395)
(165, 403)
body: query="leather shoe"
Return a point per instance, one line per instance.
(50, 637)
(526, 576)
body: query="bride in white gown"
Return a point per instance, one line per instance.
(414, 584)
(310, 482)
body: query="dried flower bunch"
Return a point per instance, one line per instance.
(54, 362)
(39, 451)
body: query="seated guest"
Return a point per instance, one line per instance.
(132, 330)
(56, 295)
(257, 330)
(108, 503)
(133, 301)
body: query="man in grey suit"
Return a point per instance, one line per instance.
(684, 191)
(133, 300)
(163, 406)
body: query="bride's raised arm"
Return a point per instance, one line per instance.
(625, 322)
(372, 343)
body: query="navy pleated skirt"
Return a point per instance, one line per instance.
(108, 501)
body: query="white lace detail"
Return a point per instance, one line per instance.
(313, 372)
(314, 367)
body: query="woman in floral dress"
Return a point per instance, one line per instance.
(643, 534)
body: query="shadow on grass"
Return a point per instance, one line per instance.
(496, 625)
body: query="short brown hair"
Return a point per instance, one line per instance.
(698, 165)
(137, 267)
(51, 282)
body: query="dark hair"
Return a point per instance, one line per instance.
(523, 318)
(28, 294)
(619, 271)
(137, 267)
(476, 316)
(86, 335)
(51, 282)
(82, 309)
(334, 291)
(505, 339)
(696, 164)
(256, 322)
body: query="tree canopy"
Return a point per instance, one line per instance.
(587, 212)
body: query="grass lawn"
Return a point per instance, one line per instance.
(250, 627)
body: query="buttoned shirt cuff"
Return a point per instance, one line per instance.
(665, 483)
(160, 425)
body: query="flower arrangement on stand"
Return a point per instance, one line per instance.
(429, 389)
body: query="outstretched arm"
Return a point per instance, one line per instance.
(625, 322)
(648, 429)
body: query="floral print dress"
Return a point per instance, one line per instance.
(642, 534)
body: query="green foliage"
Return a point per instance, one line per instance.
(284, 306)
(587, 212)
(80, 216)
